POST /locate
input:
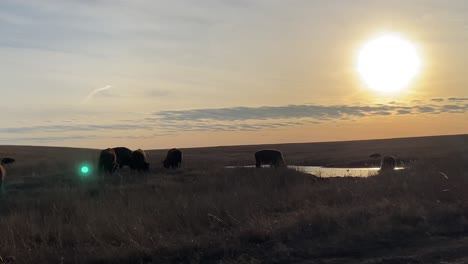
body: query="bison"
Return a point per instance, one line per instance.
(3, 162)
(269, 156)
(139, 160)
(107, 161)
(124, 157)
(6, 161)
(173, 159)
(388, 163)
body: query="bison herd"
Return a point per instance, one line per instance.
(112, 158)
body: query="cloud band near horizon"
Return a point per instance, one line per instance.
(319, 112)
(235, 119)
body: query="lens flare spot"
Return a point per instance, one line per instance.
(84, 169)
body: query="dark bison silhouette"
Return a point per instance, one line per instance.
(388, 163)
(269, 156)
(3, 162)
(124, 157)
(6, 161)
(139, 161)
(173, 159)
(107, 161)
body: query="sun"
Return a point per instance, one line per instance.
(388, 63)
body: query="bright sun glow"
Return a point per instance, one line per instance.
(388, 63)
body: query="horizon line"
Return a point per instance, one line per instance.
(248, 145)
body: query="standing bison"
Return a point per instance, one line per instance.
(124, 157)
(388, 163)
(139, 161)
(107, 161)
(4, 162)
(173, 159)
(269, 156)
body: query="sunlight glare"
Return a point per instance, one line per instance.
(388, 63)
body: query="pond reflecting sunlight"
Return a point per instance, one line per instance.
(325, 171)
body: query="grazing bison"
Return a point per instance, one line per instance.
(6, 161)
(173, 159)
(388, 163)
(269, 156)
(124, 157)
(3, 162)
(107, 161)
(139, 161)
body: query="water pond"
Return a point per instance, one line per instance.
(325, 171)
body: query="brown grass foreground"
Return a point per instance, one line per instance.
(232, 215)
(215, 215)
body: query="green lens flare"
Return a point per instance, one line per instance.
(84, 169)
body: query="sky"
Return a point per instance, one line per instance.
(182, 73)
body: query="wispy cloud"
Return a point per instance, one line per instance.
(94, 92)
(58, 138)
(425, 109)
(458, 99)
(319, 112)
(269, 117)
(235, 119)
(43, 139)
(74, 128)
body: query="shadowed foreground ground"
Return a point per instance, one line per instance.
(214, 215)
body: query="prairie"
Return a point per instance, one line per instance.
(203, 213)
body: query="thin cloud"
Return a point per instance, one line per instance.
(454, 108)
(426, 109)
(318, 112)
(271, 117)
(403, 112)
(458, 99)
(236, 119)
(17, 140)
(94, 92)
(73, 128)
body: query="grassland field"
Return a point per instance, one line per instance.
(204, 213)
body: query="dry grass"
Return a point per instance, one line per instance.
(207, 216)
(215, 215)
